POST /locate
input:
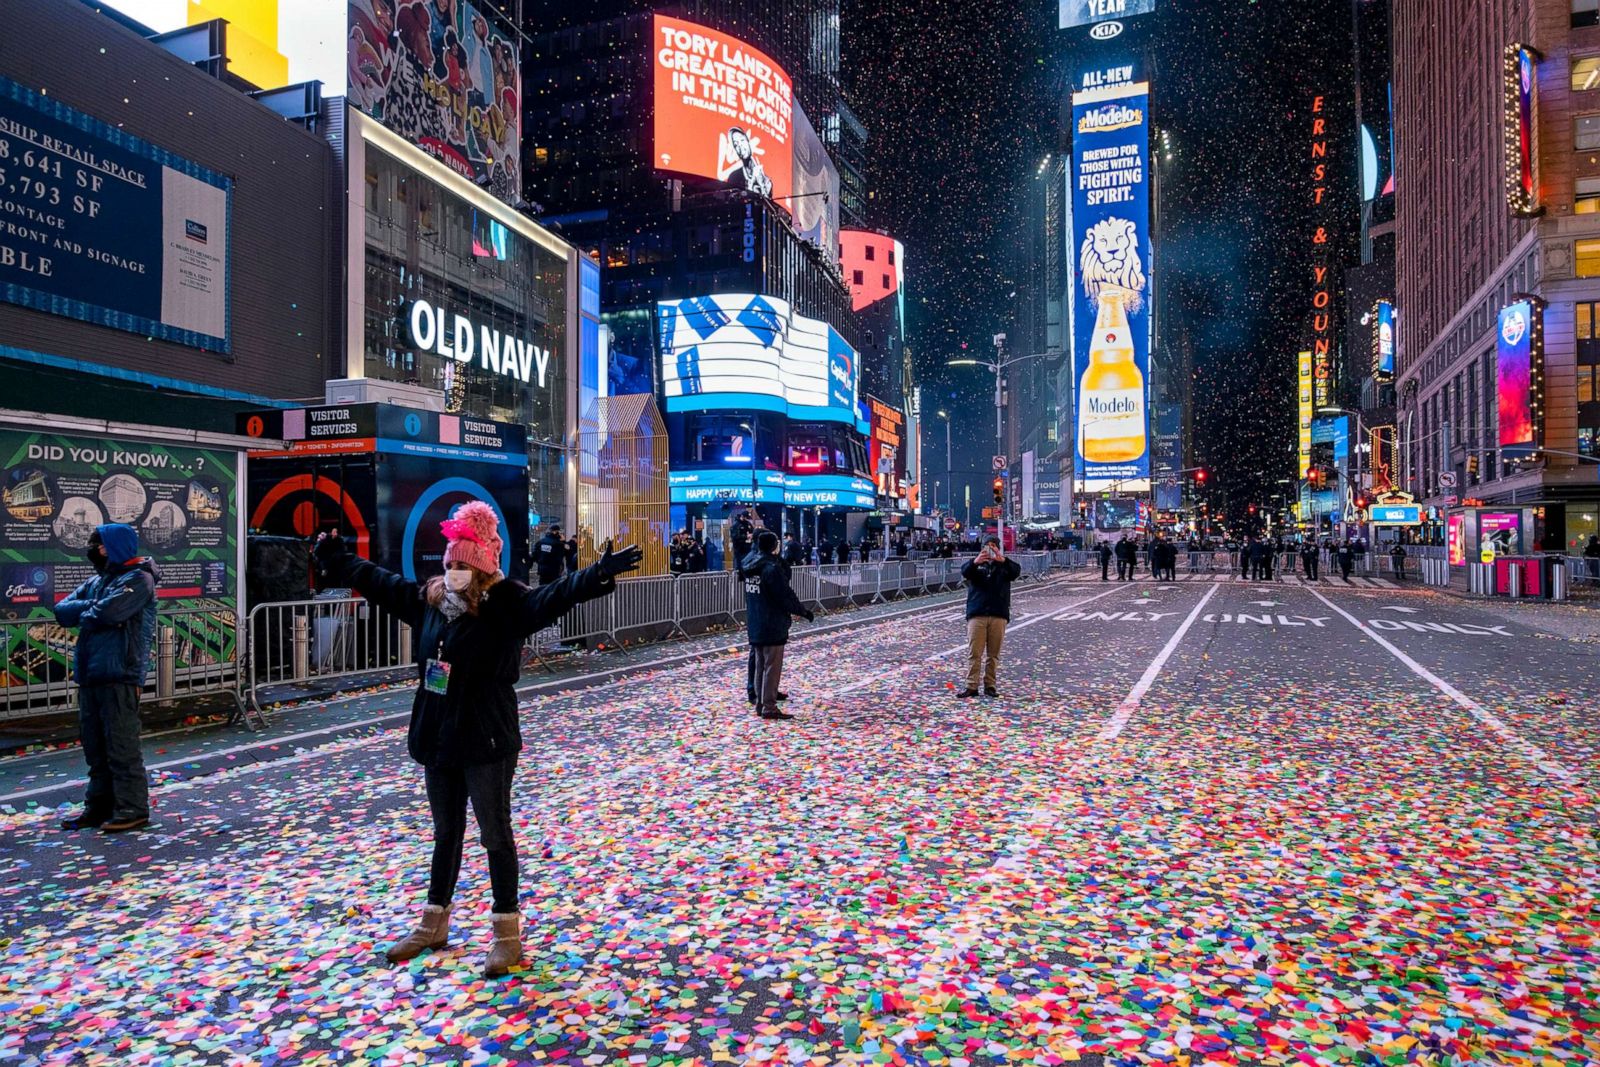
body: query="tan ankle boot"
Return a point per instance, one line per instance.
(506, 951)
(432, 931)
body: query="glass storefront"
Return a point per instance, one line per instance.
(425, 243)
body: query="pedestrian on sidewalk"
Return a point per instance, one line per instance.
(470, 623)
(989, 576)
(770, 607)
(1104, 551)
(115, 615)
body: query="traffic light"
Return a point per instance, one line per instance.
(1252, 509)
(1200, 476)
(1472, 465)
(999, 490)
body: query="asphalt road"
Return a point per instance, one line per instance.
(1218, 822)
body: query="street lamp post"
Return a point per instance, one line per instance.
(999, 367)
(949, 469)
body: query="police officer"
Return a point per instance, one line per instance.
(1104, 551)
(550, 556)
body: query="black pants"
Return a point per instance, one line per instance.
(1311, 568)
(1105, 569)
(108, 727)
(488, 786)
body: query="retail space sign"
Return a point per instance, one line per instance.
(1111, 219)
(723, 110)
(445, 76)
(98, 225)
(455, 336)
(1396, 515)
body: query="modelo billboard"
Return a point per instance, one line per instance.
(1111, 220)
(723, 110)
(753, 353)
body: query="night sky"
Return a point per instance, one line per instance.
(962, 102)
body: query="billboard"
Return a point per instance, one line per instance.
(723, 110)
(1111, 221)
(886, 452)
(1307, 407)
(1514, 373)
(753, 353)
(1522, 130)
(815, 206)
(1168, 456)
(101, 226)
(1092, 12)
(444, 75)
(271, 43)
(1455, 543)
(1383, 340)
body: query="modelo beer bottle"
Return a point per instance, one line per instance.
(1111, 412)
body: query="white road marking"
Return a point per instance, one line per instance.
(1043, 617)
(1397, 607)
(1130, 703)
(1525, 748)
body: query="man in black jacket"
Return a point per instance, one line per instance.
(1104, 552)
(741, 533)
(988, 576)
(793, 554)
(769, 604)
(550, 556)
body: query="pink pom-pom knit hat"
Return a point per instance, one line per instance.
(474, 536)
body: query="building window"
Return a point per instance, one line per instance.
(1585, 73)
(1587, 319)
(872, 253)
(859, 277)
(886, 281)
(891, 257)
(1586, 132)
(1586, 385)
(1588, 259)
(1586, 200)
(1586, 13)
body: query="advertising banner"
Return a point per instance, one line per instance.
(1503, 529)
(57, 488)
(1307, 407)
(723, 110)
(886, 454)
(1522, 130)
(1514, 374)
(101, 226)
(1091, 12)
(815, 206)
(444, 75)
(1111, 219)
(1455, 544)
(1383, 341)
(752, 353)
(1168, 456)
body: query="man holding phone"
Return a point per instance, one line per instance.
(988, 577)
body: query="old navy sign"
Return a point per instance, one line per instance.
(457, 337)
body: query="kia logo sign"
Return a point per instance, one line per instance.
(1104, 31)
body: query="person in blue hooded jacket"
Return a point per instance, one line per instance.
(770, 605)
(115, 614)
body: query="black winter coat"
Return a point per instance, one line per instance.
(475, 720)
(989, 588)
(549, 557)
(769, 600)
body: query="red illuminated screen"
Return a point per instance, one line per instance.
(723, 110)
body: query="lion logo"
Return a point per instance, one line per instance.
(1110, 256)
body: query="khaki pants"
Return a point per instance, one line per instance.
(984, 634)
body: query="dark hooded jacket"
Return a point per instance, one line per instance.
(475, 719)
(769, 600)
(115, 614)
(989, 588)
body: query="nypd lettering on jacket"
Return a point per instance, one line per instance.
(456, 337)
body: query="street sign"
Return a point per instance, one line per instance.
(951, 524)
(999, 463)
(1447, 479)
(1451, 501)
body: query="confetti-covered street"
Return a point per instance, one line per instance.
(1205, 822)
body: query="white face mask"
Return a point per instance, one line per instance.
(458, 581)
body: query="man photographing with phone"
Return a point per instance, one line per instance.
(988, 577)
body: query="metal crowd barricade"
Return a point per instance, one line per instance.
(644, 603)
(327, 637)
(708, 597)
(1583, 570)
(589, 620)
(193, 653)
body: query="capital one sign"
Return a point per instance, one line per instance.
(454, 336)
